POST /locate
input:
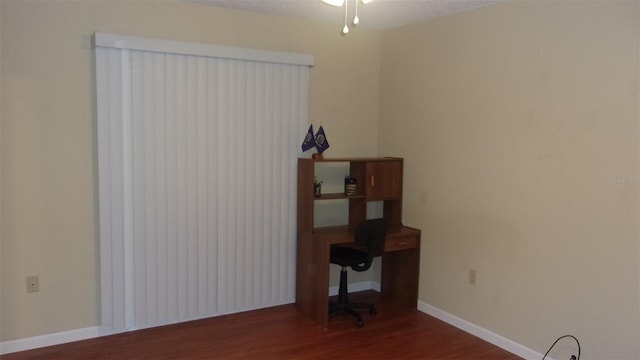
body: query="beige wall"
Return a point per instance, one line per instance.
(48, 154)
(519, 127)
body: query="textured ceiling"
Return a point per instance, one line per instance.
(379, 14)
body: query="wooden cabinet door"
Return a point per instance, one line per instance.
(384, 180)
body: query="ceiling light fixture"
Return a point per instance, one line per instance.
(356, 19)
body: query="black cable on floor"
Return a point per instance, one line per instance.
(573, 357)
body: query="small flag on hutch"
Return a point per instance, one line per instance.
(321, 141)
(309, 140)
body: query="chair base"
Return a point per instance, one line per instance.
(343, 304)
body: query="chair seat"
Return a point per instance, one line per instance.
(347, 256)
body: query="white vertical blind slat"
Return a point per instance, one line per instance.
(103, 71)
(202, 205)
(226, 210)
(212, 184)
(252, 156)
(239, 199)
(171, 175)
(128, 201)
(197, 161)
(192, 187)
(182, 188)
(162, 258)
(138, 168)
(269, 180)
(275, 229)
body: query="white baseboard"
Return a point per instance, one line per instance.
(473, 329)
(64, 337)
(11, 346)
(482, 333)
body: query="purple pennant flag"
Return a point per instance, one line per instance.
(321, 141)
(309, 141)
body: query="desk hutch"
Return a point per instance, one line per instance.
(378, 179)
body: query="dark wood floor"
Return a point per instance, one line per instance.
(282, 333)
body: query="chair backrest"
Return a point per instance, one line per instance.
(371, 234)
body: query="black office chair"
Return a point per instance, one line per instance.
(369, 235)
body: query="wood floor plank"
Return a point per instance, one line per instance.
(283, 333)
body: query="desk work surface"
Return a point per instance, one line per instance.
(396, 239)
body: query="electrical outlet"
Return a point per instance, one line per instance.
(33, 284)
(472, 276)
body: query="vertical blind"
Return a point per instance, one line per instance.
(197, 149)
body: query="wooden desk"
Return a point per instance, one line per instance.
(400, 268)
(377, 179)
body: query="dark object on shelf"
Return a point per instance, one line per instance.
(317, 188)
(350, 185)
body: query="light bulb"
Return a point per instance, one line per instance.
(356, 19)
(345, 29)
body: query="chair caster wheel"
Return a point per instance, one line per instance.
(359, 323)
(373, 311)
